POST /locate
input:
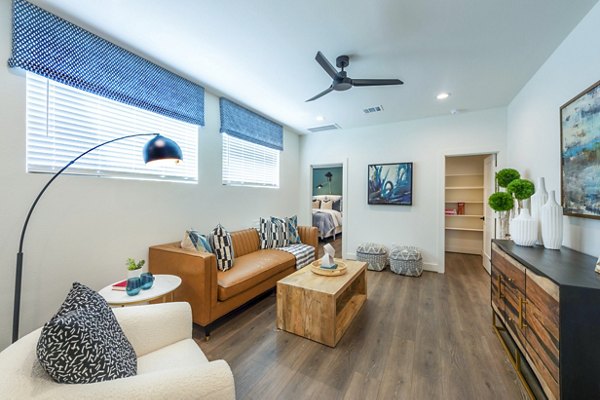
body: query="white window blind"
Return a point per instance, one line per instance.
(63, 122)
(249, 164)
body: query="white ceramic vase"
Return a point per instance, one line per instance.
(539, 198)
(552, 223)
(523, 229)
(134, 274)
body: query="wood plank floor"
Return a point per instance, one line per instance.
(415, 338)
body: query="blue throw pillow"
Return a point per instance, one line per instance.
(200, 242)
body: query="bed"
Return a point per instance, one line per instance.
(328, 221)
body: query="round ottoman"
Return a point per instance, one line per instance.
(406, 260)
(374, 254)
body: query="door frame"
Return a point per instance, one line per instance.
(441, 199)
(344, 165)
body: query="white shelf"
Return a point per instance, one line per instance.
(464, 174)
(464, 229)
(466, 202)
(463, 187)
(465, 215)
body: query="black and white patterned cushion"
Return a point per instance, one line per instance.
(273, 233)
(223, 248)
(83, 342)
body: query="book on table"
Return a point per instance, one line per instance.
(122, 285)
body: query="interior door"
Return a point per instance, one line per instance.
(489, 168)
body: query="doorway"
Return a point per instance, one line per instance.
(327, 205)
(469, 221)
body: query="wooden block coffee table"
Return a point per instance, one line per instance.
(321, 308)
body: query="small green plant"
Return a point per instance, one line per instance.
(522, 189)
(501, 201)
(132, 265)
(505, 176)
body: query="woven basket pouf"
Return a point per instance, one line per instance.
(374, 254)
(406, 260)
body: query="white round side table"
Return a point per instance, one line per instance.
(163, 287)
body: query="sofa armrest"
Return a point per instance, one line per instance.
(309, 235)
(152, 327)
(198, 273)
(208, 381)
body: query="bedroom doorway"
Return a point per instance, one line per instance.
(327, 205)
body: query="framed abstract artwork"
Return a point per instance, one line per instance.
(390, 184)
(580, 154)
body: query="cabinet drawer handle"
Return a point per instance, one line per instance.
(522, 302)
(500, 295)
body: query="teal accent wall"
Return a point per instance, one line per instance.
(336, 181)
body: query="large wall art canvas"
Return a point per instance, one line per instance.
(390, 184)
(580, 154)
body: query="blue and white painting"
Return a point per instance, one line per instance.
(580, 154)
(390, 184)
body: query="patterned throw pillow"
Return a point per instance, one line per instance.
(84, 343)
(265, 232)
(280, 232)
(291, 227)
(316, 204)
(223, 248)
(193, 240)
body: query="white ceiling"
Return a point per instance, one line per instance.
(261, 53)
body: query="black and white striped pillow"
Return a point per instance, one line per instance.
(273, 233)
(266, 233)
(223, 248)
(84, 343)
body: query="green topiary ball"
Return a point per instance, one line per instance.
(506, 176)
(521, 188)
(501, 201)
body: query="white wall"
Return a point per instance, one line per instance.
(424, 142)
(84, 228)
(533, 119)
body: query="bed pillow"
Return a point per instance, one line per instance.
(326, 205)
(223, 248)
(337, 205)
(84, 343)
(316, 204)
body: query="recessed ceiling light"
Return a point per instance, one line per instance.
(320, 118)
(442, 96)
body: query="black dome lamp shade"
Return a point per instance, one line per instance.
(159, 149)
(162, 150)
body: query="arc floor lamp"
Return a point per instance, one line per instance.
(159, 148)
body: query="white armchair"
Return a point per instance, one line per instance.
(170, 363)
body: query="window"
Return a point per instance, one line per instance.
(249, 164)
(63, 122)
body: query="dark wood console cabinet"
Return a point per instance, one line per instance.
(548, 301)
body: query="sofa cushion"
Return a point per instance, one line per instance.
(223, 248)
(182, 354)
(245, 241)
(252, 269)
(84, 343)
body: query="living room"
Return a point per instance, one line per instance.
(85, 227)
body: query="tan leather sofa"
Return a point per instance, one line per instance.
(213, 293)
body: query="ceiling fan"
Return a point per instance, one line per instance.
(340, 78)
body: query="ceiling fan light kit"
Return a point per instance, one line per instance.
(341, 81)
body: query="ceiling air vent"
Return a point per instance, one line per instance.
(324, 128)
(373, 109)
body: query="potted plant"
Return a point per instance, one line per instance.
(134, 269)
(503, 202)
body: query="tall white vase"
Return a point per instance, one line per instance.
(539, 198)
(552, 223)
(523, 229)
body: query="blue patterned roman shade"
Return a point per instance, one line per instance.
(246, 125)
(48, 45)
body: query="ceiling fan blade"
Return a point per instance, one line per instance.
(376, 82)
(326, 65)
(323, 93)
